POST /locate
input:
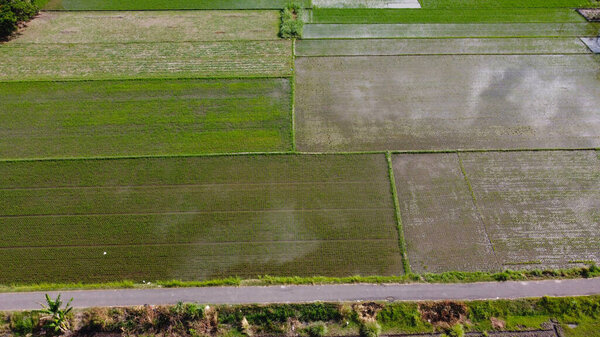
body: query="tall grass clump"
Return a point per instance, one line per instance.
(291, 21)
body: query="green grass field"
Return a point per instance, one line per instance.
(507, 3)
(500, 15)
(164, 5)
(197, 218)
(145, 117)
(95, 61)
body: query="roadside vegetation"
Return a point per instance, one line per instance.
(447, 277)
(573, 315)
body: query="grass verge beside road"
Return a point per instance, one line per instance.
(447, 277)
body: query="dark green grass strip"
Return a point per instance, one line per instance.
(401, 240)
(513, 15)
(507, 3)
(167, 5)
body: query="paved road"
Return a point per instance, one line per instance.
(282, 294)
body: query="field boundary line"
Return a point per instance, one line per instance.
(204, 243)
(474, 200)
(266, 9)
(448, 54)
(289, 153)
(450, 37)
(196, 212)
(293, 96)
(123, 79)
(19, 44)
(398, 216)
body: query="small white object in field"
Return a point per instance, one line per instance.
(104, 253)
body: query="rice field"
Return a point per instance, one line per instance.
(445, 30)
(150, 26)
(405, 16)
(197, 218)
(146, 117)
(541, 208)
(97, 61)
(129, 127)
(442, 228)
(78, 5)
(506, 3)
(434, 102)
(494, 210)
(399, 47)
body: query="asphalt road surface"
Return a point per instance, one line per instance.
(326, 293)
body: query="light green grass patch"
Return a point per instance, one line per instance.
(197, 218)
(532, 15)
(163, 5)
(145, 117)
(150, 26)
(24, 61)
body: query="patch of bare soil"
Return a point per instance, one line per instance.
(367, 312)
(443, 314)
(590, 14)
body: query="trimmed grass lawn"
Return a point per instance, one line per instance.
(143, 117)
(197, 218)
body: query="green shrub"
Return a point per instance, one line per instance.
(23, 323)
(24, 10)
(402, 315)
(8, 21)
(318, 329)
(370, 329)
(291, 22)
(457, 331)
(14, 11)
